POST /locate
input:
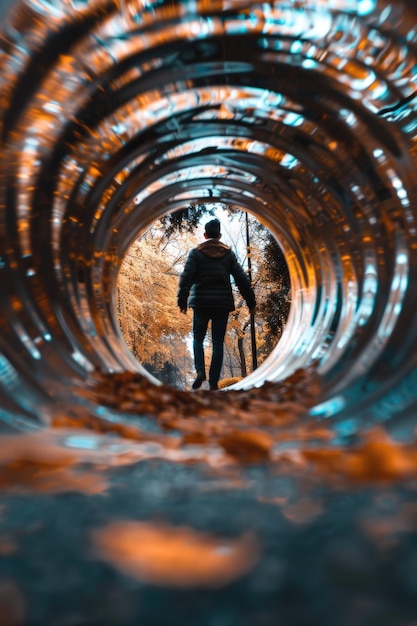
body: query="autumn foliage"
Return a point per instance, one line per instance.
(158, 336)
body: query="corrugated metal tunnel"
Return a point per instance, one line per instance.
(115, 113)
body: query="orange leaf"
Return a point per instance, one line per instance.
(174, 557)
(12, 604)
(250, 446)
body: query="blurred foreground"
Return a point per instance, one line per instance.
(216, 509)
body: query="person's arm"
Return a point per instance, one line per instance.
(186, 280)
(243, 284)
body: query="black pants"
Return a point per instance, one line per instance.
(201, 319)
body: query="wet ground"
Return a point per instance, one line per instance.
(319, 556)
(210, 526)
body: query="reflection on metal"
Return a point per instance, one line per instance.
(304, 114)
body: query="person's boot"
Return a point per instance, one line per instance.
(201, 376)
(213, 386)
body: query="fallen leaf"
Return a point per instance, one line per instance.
(174, 557)
(30, 462)
(248, 446)
(12, 604)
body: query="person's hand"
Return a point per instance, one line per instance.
(183, 309)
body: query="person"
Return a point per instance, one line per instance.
(205, 286)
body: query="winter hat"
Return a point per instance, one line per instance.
(212, 228)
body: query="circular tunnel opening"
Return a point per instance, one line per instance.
(148, 285)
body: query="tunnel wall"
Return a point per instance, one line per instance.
(113, 114)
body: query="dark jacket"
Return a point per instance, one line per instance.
(205, 281)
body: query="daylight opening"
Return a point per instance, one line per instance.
(160, 337)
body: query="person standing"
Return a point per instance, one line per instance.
(205, 286)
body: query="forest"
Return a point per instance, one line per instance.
(159, 336)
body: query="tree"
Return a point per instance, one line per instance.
(276, 301)
(184, 220)
(147, 307)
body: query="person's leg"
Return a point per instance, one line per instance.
(218, 331)
(200, 323)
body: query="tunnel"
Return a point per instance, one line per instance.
(290, 497)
